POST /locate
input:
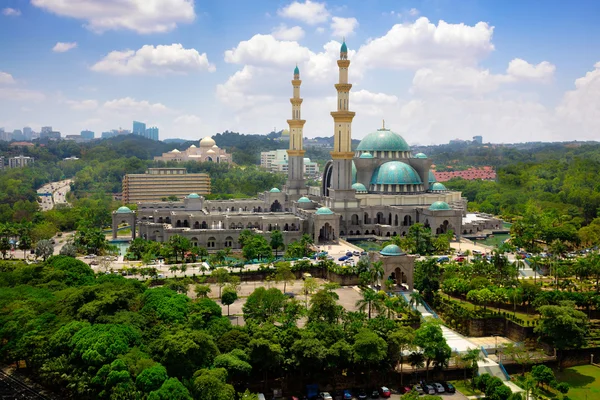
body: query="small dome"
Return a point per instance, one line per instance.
(275, 190)
(123, 210)
(432, 177)
(304, 200)
(344, 48)
(366, 155)
(193, 196)
(391, 250)
(215, 146)
(193, 146)
(207, 142)
(438, 187)
(211, 151)
(359, 187)
(324, 211)
(395, 173)
(383, 140)
(175, 151)
(296, 71)
(420, 155)
(439, 206)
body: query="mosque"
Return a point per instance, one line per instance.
(207, 151)
(376, 191)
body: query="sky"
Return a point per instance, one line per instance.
(434, 70)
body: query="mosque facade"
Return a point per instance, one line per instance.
(206, 151)
(378, 190)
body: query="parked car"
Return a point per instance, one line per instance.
(459, 259)
(361, 394)
(429, 389)
(476, 252)
(419, 389)
(306, 275)
(404, 389)
(349, 254)
(326, 396)
(343, 258)
(289, 295)
(443, 259)
(347, 394)
(374, 394)
(438, 387)
(356, 253)
(364, 253)
(448, 387)
(385, 392)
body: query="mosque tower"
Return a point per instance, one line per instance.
(341, 194)
(295, 185)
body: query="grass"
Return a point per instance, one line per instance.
(471, 306)
(584, 381)
(465, 388)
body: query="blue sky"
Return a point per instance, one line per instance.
(434, 70)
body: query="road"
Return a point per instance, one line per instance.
(59, 192)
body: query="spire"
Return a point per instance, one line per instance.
(344, 50)
(383, 125)
(296, 70)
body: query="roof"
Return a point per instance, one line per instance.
(383, 140)
(432, 177)
(391, 250)
(193, 196)
(207, 142)
(438, 186)
(275, 190)
(439, 206)
(304, 200)
(420, 155)
(395, 173)
(366, 155)
(359, 187)
(344, 48)
(324, 211)
(123, 210)
(296, 71)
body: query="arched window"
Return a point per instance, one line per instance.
(211, 243)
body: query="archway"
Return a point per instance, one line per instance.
(366, 218)
(326, 233)
(194, 241)
(211, 243)
(327, 172)
(276, 206)
(396, 220)
(228, 241)
(196, 225)
(186, 224)
(443, 228)
(389, 219)
(380, 219)
(426, 225)
(354, 219)
(204, 225)
(168, 220)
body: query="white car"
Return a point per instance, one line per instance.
(438, 387)
(326, 396)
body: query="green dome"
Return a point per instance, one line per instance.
(324, 211)
(438, 186)
(304, 200)
(432, 177)
(391, 250)
(366, 155)
(296, 71)
(439, 206)
(383, 140)
(420, 155)
(193, 196)
(344, 48)
(353, 172)
(123, 210)
(359, 187)
(275, 190)
(395, 173)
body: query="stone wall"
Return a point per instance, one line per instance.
(499, 326)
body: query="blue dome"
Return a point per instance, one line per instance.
(359, 187)
(193, 196)
(439, 206)
(420, 155)
(296, 71)
(275, 190)
(344, 48)
(123, 210)
(432, 177)
(438, 186)
(304, 200)
(383, 140)
(366, 155)
(324, 211)
(395, 173)
(391, 250)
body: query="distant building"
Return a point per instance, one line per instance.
(18, 135)
(49, 135)
(139, 128)
(75, 138)
(19, 161)
(158, 183)
(109, 134)
(484, 173)
(5, 136)
(22, 144)
(277, 161)
(115, 132)
(207, 151)
(268, 158)
(27, 133)
(457, 141)
(46, 129)
(478, 139)
(1, 163)
(152, 133)
(87, 135)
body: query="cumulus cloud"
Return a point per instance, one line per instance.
(11, 12)
(154, 60)
(309, 12)
(142, 16)
(82, 105)
(282, 32)
(6, 78)
(61, 47)
(187, 119)
(129, 105)
(521, 69)
(341, 27)
(413, 12)
(20, 94)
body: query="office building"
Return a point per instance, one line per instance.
(277, 161)
(152, 133)
(5, 136)
(18, 135)
(1, 163)
(46, 129)
(27, 133)
(268, 158)
(478, 139)
(19, 161)
(49, 135)
(87, 135)
(139, 128)
(158, 183)
(108, 134)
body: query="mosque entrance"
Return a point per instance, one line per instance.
(399, 277)
(443, 228)
(276, 206)
(326, 233)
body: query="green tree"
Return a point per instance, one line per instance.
(264, 304)
(171, 389)
(399, 342)
(369, 349)
(283, 273)
(228, 297)
(221, 277)
(210, 384)
(151, 378)
(44, 249)
(276, 241)
(69, 250)
(543, 375)
(202, 290)
(324, 307)
(430, 339)
(179, 245)
(370, 301)
(24, 244)
(309, 286)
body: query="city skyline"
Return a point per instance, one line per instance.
(434, 70)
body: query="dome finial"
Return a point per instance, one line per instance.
(344, 50)
(383, 124)
(296, 70)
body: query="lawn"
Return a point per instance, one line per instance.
(584, 381)
(465, 388)
(471, 306)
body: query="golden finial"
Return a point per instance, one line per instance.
(383, 124)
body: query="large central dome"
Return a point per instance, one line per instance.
(383, 140)
(395, 173)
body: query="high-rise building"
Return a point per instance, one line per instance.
(49, 135)
(1, 163)
(139, 128)
(46, 129)
(152, 133)
(18, 135)
(268, 158)
(87, 135)
(478, 139)
(109, 134)
(27, 133)
(19, 161)
(158, 183)
(5, 136)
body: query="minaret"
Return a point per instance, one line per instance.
(295, 184)
(340, 192)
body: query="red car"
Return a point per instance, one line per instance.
(459, 259)
(385, 392)
(405, 389)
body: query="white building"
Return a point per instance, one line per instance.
(269, 158)
(207, 151)
(19, 161)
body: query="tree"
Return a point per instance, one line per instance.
(171, 389)
(563, 327)
(235, 363)
(399, 342)
(276, 241)
(309, 286)
(24, 244)
(221, 277)
(324, 307)
(369, 349)
(69, 249)
(521, 354)
(283, 273)
(5, 246)
(202, 290)
(151, 378)
(210, 384)
(430, 339)
(255, 246)
(264, 304)
(228, 297)
(179, 245)
(44, 248)
(543, 375)
(469, 360)
(370, 301)
(427, 278)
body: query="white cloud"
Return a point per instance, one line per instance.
(309, 12)
(341, 27)
(413, 12)
(127, 105)
(364, 96)
(187, 119)
(521, 69)
(142, 16)
(423, 44)
(6, 78)
(83, 104)
(20, 94)
(282, 32)
(11, 12)
(154, 60)
(320, 30)
(266, 50)
(61, 47)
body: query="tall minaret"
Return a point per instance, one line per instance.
(295, 183)
(341, 190)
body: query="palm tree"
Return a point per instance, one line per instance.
(471, 356)
(370, 301)
(174, 269)
(183, 268)
(377, 271)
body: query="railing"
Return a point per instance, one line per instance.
(430, 310)
(504, 371)
(484, 351)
